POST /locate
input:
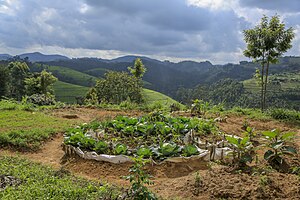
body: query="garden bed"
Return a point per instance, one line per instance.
(155, 136)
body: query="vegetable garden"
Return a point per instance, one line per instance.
(154, 136)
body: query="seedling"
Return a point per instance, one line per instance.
(278, 148)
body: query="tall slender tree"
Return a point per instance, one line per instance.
(266, 42)
(138, 70)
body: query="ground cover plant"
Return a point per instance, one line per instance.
(155, 135)
(25, 129)
(34, 181)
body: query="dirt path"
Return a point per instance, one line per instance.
(50, 154)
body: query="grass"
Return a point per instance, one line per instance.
(72, 76)
(152, 96)
(66, 92)
(26, 130)
(41, 182)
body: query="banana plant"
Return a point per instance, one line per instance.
(278, 147)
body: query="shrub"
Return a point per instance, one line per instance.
(41, 99)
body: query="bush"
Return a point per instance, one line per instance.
(283, 114)
(41, 99)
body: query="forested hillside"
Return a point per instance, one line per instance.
(167, 76)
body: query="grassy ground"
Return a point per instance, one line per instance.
(35, 181)
(25, 129)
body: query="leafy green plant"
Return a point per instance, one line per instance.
(200, 107)
(139, 179)
(242, 150)
(120, 149)
(190, 150)
(278, 148)
(144, 152)
(101, 147)
(167, 149)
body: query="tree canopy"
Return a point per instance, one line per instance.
(266, 42)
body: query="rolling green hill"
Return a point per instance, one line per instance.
(67, 75)
(67, 92)
(152, 96)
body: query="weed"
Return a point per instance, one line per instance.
(139, 179)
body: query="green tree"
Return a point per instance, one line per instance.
(18, 72)
(4, 80)
(138, 70)
(40, 83)
(117, 87)
(265, 44)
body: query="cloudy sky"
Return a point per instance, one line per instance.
(163, 29)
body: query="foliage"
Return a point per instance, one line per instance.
(284, 114)
(40, 83)
(138, 70)
(154, 135)
(144, 152)
(118, 87)
(41, 99)
(278, 147)
(265, 43)
(199, 107)
(120, 149)
(139, 179)
(40, 182)
(4, 81)
(242, 150)
(18, 72)
(190, 150)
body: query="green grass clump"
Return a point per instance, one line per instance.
(40, 182)
(284, 114)
(27, 130)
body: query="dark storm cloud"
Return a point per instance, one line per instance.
(156, 27)
(277, 5)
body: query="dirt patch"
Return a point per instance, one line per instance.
(220, 184)
(234, 124)
(89, 114)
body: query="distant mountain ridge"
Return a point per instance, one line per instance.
(162, 76)
(36, 57)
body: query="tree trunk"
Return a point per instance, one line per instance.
(262, 85)
(266, 81)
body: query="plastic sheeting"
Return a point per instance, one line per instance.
(206, 155)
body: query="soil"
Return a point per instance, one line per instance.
(176, 180)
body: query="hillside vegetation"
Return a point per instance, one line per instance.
(67, 92)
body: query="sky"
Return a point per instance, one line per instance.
(172, 30)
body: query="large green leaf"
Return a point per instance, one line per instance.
(268, 154)
(269, 134)
(244, 141)
(144, 152)
(277, 145)
(232, 140)
(288, 136)
(289, 149)
(190, 150)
